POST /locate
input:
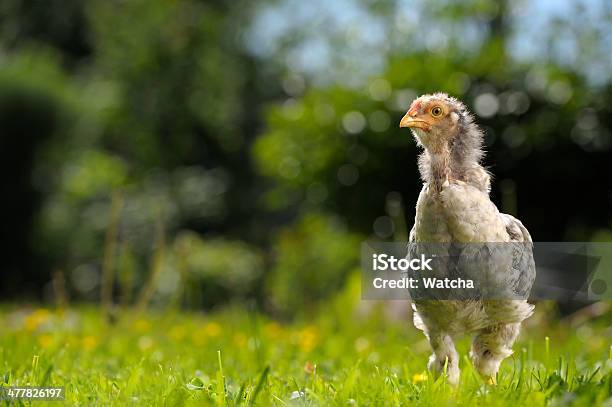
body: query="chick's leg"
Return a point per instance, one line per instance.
(491, 346)
(444, 356)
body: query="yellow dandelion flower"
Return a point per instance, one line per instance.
(142, 325)
(419, 377)
(45, 340)
(36, 319)
(240, 340)
(199, 337)
(89, 342)
(308, 338)
(212, 329)
(273, 330)
(178, 332)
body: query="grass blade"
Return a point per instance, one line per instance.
(260, 382)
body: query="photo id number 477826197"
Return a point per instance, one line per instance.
(32, 393)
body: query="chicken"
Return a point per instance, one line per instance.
(454, 207)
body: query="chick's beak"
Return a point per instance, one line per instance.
(413, 122)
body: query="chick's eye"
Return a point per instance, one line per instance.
(436, 111)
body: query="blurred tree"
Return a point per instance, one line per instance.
(163, 101)
(158, 99)
(57, 24)
(215, 271)
(337, 148)
(37, 104)
(344, 140)
(312, 260)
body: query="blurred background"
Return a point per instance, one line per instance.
(198, 153)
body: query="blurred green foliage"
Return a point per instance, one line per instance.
(157, 105)
(179, 79)
(312, 260)
(216, 270)
(267, 162)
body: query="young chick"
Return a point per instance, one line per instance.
(454, 206)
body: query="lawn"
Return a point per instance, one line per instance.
(348, 354)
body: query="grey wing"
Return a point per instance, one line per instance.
(503, 270)
(443, 265)
(523, 270)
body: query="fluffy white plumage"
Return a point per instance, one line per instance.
(454, 206)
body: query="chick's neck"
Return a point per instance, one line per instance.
(448, 163)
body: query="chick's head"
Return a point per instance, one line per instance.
(435, 120)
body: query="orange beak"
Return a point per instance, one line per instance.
(412, 122)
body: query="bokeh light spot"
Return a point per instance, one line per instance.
(353, 122)
(486, 105)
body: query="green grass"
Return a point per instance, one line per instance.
(346, 355)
